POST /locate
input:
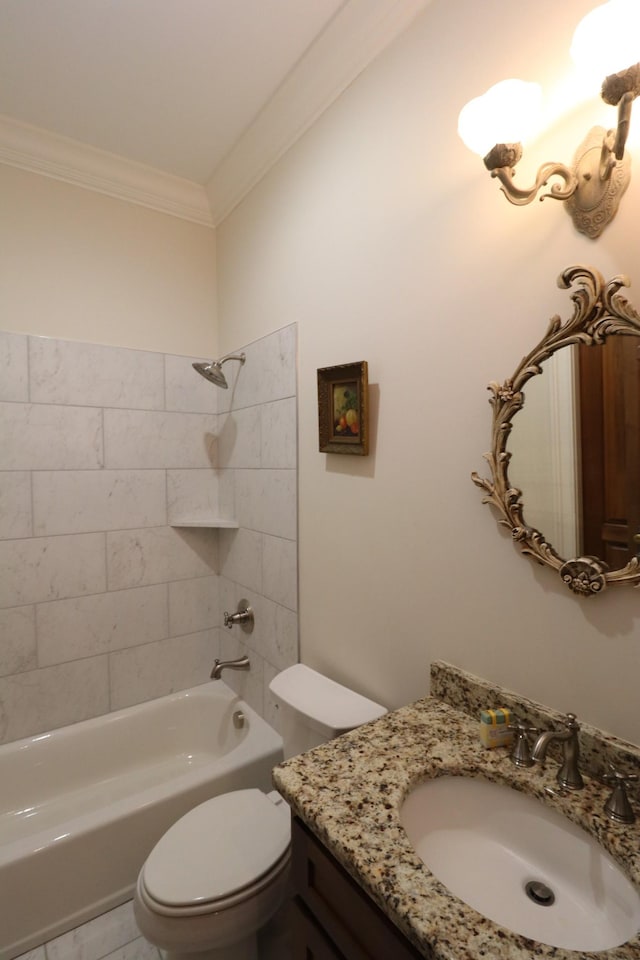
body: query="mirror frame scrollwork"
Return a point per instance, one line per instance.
(599, 312)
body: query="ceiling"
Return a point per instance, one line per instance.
(182, 86)
(169, 83)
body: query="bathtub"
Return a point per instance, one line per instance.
(82, 806)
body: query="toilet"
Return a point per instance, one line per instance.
(221, 871)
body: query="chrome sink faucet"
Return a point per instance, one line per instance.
(242, 663)
(569, 773)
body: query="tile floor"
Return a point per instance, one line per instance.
(115, 936)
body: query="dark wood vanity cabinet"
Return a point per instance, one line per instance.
(332, 917)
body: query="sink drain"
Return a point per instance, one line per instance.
(540, 893)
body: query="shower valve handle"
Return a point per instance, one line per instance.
(243, 616)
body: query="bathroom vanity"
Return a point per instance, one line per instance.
(332, 918)
(361, 890)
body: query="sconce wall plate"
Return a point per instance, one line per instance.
(596, 198)
(591, 189)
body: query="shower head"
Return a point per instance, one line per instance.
(213, 371)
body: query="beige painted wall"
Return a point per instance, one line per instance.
(386, 241)
(81, 266)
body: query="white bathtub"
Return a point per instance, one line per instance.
(82, 806)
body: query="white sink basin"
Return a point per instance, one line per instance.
(486, 843)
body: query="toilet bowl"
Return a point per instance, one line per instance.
(220, 872)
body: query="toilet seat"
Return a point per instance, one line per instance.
(218, 854)
(215, 907)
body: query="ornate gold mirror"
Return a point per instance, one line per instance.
(569, 464)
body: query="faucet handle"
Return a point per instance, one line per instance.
(521, 752)
(571, 721)
(617, 807)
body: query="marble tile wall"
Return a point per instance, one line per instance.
(103, 603)
(257, 458)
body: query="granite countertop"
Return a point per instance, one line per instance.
(349, 792)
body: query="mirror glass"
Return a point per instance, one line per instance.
(545, 454)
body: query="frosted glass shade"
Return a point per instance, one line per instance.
(607, 39)
(506, 113)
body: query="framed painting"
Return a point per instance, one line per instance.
(343, 409)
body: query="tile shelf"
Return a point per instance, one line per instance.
(209, 522)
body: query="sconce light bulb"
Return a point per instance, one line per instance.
(607, 39)
(506, 113)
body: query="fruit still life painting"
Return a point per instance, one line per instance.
(346, 409)
(343, 402)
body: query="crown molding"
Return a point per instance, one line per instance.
(357, 34)
(39, 151)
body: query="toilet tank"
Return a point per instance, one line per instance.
(314, 709)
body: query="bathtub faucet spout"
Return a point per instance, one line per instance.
(219, 665)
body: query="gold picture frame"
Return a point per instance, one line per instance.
(343, 408)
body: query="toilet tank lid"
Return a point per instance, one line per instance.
(323, 701)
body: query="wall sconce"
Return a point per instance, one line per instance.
(592, 188)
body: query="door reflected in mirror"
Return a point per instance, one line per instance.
(610, 437)
(575, 452)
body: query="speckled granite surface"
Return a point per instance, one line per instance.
(349, 792)
(471, 694)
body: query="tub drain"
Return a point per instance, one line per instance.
(540, 893)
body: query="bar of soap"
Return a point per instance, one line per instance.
(494, 728)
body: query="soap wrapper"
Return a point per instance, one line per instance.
(494, 728)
